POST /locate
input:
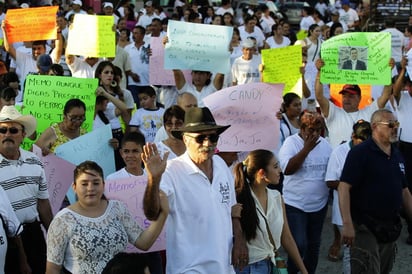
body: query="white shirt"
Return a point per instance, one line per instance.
(349, 17)
(335, 165)
(139, 59)
(404, 117)
(206, 90)
(199, 226)
(397, 41)
(246, 71)
(272, 43)
(306, 22)
(340, 122)
(257, 34)
(148, 121)
(306, 188)
(81, 69)
(222, 11)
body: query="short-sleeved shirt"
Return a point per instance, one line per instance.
(85, 245)
(148, 121)
(404, 116)
(24, 181)
(199, 226)
(377, 180)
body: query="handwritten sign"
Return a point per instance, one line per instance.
(93, 146)
(131, 191)
(59, 176)
(198, 47)
(159, 75)
(282, 65)
(371, 51)
(250, 109)
(92, 36)
(366, 92)
(31, 24)
(45, 97)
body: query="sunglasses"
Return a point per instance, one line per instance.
(73, 119)
(202, 137)
(390, 124)
(12, 130)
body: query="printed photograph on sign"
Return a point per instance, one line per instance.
(353, 58)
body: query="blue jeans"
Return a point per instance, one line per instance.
(260, 267)
(306, 228)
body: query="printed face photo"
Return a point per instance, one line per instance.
(353, 58)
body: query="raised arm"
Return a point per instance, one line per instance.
(218, 81)
(155, 166)
(9, 48)
(310, 142)
(305, 88)
(399, 83)
(322, 100)
(57, 53)
(180, 80)
(120, 105)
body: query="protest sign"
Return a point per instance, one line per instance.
(282, 65)
(131, 191)
(198, 47)
(250, 109)
(93, 146)
(59, 177)
(357, 58)
(92, 36)
(31, 24)
(159, 75)
(45, 97)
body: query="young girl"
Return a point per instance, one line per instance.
(263, 217)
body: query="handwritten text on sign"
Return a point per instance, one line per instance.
(373, 50)
(92, 36)
(59, 176)
(282, 65)
(93, 146)
(250, 109)
(31, 24)
(198, 47)
(45, 97)
(131, 191)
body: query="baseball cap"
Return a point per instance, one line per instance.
(148, 4)
(345, 2)
(77, 2)
(24, 6)
(334, 12)
(352, 89)
(44, 62)
(107, 4)
(248, 43)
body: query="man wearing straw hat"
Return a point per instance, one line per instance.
(200, 190)
(23, 178)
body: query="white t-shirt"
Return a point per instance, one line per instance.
(206, 90)
(340, 122)
(257, 34)
(306, 22)
(397, 41)
(139, 59)
(349, 17)
(404, 116)
(306, 188)
(222, 11)
(199, 226)
(272, 43)
(148, 121)
(81, 69)
(333, 172)
(246, 71)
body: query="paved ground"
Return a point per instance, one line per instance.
(403, 263)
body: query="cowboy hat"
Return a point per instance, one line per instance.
(197, 120)
(10, 114)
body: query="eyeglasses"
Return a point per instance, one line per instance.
(73, 119)
(390, 124)
(202, 137)
(176, 124)
(12, 130)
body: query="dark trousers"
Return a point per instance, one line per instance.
(35, 247)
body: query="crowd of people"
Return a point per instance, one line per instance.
(224, 211)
